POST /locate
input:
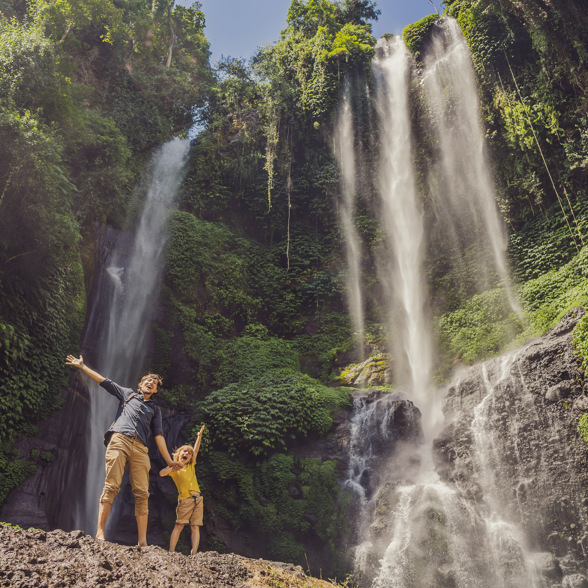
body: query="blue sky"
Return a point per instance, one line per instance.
(238, 27)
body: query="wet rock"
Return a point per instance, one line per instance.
(510, 438)
(581, 404)
(548, 565)
(559, 392)
(374, 371)
(575, 581)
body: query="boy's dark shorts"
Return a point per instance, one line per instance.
(190, 510)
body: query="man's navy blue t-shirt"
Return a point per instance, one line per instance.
(139, 416)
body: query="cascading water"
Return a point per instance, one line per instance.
(344, 148)
(132, 278)
(401, 266)
(422, 531)
(411, 490)
(460, 184)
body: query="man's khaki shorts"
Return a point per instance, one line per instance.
(190, 510)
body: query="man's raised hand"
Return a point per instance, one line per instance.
(77, 362)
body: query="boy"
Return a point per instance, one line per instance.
(190, 502)
(137, 420)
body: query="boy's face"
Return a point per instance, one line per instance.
(185, 455)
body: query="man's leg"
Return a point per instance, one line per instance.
(115, 461)
(139, 466)
(142, 529)
(175, 535)
(103, 512)
(195, 530)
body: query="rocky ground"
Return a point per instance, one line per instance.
(59, 559)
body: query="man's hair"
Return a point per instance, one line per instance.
(155, 377)
(176, 453)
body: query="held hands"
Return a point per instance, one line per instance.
(71, 360)
(175, 466)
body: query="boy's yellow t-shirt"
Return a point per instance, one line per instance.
(186, 481)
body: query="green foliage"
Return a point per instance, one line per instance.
(207, 266)
(13, 474)
(99, 162)
(583, 427)
(31, 77)
(61, 18)
(546, 242)
(581, 342)
(548, 298)
(483, 326)
(416, 35)
(282, 501)
(259, 416)
(315, 49)
(249, 358)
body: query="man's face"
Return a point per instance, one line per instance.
(185, 455)
(148, 385)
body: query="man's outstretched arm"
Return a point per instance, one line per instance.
(79, 363)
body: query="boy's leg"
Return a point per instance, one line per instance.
(175, 535)
(195, 521)
(139, 467)
(115, 461)
(195, 530)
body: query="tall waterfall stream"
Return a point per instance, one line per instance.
(130, 284)
(415, 528)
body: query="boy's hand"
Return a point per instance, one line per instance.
(175, 466)
(71, 360)
(201, 431)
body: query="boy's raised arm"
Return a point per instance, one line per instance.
(198, 441)
(79, 363)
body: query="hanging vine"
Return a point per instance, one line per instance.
(272, 138)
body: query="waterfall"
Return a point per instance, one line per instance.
(416, 529)
(344, 149)
(400, 266)
(460, 184)
(131, 280)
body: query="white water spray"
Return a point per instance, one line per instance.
(344, 148)
(401, 266)
(462, 189)
(135, 277)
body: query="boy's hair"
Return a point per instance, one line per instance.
(176, 453)
(155, 377)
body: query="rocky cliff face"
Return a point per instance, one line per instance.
(511, 449)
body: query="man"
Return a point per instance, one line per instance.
(137, 420)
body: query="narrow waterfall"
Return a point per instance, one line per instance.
(344, 149)
(131, 279)
(460, 184)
